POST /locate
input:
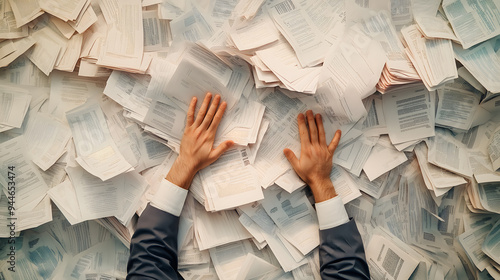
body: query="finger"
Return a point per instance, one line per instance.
(203, 109)
(222, 148)
(303, 133)
(211, 112)
(313, 131)
(218, 117)
(335, 142)
(321, 130)
(292, 158)
(190, 113)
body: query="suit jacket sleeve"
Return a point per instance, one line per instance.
(342, 255)
(153, 250)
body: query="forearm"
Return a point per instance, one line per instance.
(153, 249)
(342, 255)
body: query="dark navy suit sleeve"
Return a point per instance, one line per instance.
(341, 252)
(153, 250)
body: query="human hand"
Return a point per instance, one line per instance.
(315, 163)
(197, 151)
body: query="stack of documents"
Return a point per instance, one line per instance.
(93, 103)
(432, 58)
(398, 69)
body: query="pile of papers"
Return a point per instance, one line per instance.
(93, 102)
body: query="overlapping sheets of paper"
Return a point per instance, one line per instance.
(93, 102)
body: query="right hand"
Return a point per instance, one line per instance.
(315, 163)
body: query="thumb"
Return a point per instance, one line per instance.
(335, 141)
(222, 148)
(290, 156)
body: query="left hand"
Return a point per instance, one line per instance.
(315, 163)
(196, 150)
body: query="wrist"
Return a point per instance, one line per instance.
(323, 190)
(181, 174)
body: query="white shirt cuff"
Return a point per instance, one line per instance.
(169, 198)
(331, 213)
